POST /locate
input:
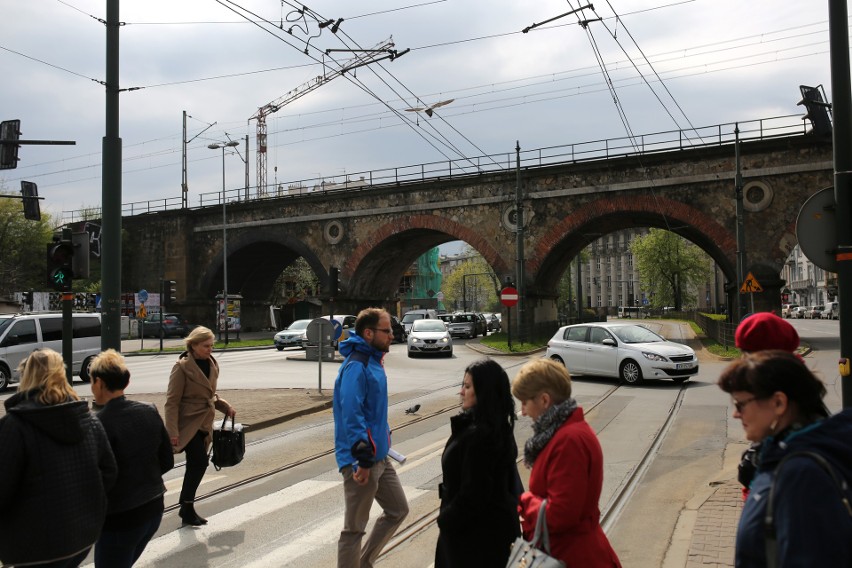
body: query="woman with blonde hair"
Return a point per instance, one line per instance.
(567, 468)
(190, 402)
(56, 465)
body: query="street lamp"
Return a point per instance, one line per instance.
(223, 145)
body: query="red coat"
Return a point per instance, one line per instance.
(569, 473)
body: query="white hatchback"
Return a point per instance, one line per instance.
(429, 336)
(628, 352)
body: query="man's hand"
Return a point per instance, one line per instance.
(361, 475)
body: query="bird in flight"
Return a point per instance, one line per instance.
(430, 110)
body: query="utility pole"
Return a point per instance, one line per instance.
(519, 209)
(738, 186)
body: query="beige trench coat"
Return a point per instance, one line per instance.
(190, 401)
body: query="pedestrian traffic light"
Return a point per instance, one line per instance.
(170, 291)
(60, 255)
(28, 300)
(10, 132)
(29, 191)
(333, 281)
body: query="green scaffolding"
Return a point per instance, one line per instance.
(428, 276)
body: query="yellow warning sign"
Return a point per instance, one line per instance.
(750, 284)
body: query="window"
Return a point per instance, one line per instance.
(51, 329)
(87, 326)
(576, 333)
(598, 334)
(22, 332)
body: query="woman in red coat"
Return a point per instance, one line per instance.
(567, 468)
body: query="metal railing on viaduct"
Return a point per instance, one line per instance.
(666, 141)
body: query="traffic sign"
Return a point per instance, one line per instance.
(509, 296)
(338, 329)
(750, 284)
(143, 295)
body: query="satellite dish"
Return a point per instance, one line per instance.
(816, 229)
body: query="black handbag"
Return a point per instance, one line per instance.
(229, 445)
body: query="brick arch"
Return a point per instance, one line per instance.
(429, 222)
(645, 205)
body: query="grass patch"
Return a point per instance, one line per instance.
(720, 350)
(217, 346)
(500, 340)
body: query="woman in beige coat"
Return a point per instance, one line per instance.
(190, 402)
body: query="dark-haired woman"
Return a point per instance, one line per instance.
(780, 404)
(478, 521)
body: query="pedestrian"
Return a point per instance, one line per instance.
(362, 440)
(567, 468)
(780, 404)
(143, 453)
(190, 402)
(479, 494)
(758, 332)
(56, 467)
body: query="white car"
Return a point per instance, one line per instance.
(429, 336)
(628, 352)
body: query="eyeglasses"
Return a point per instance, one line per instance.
(386, 330)
(740, 404)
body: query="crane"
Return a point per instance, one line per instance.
(382, 51)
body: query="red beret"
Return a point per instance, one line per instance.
(765, 330)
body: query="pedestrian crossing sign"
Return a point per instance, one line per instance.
(750, 284)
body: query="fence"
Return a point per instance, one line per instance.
(720, 331)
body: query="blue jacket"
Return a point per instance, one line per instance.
(813, 528)
(361, 431)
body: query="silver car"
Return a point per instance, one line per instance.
(294, 335)
(628, 352)
(429, 336)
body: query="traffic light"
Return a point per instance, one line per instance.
(170, 291)
(333, 281)
(60, 255)
(817, 109)
(29, 191)
(80, 262)
(28, 300)
(10, 131)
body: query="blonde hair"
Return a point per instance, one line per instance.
(44, 369)
(110, 368)
(542, 375)
(197, 335)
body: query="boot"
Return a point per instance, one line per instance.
(189, 516)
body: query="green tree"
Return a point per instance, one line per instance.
(22, 248)
(670, 267)
(295, 283)
(475, 278)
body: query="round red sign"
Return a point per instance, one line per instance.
(509, 296)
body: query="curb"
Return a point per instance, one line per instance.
(289, 416)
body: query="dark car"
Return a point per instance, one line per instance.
(173, 325)
(494, 324)
(398, 330)
(482, 324)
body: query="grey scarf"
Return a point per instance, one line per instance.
(544, 428)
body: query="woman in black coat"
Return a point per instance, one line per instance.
(478, 521)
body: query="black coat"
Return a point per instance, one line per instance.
(478, 521)
(56, 466)
(142, 451)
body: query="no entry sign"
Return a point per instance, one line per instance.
(509, 296)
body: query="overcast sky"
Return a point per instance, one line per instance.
(707, 61)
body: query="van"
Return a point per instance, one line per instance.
(413, 315)
(21, 334)
(831, 311)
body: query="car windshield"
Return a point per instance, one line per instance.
(463, 318)
(428, 325)
(299, 324)
(408, 318)
(635, 334)
(4, 323)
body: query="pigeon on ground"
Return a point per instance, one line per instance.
(413, 409)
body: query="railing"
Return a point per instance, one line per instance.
(721, 331)
(666, 141)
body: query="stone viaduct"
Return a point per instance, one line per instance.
(374, 233)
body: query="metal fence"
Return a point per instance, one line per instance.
(720, 331)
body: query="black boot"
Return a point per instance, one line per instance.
(189, 516)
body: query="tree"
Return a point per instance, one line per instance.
(475, 278)
(295, 283)
(22, 248)
(670, 267)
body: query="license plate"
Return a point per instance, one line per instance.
(685, 365)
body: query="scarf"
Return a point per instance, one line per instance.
(545, 427)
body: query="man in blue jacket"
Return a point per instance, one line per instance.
(362, 441)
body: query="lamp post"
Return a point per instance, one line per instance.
(223, 145)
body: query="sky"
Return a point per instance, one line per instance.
(645, 66)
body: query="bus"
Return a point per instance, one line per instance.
(631, 312)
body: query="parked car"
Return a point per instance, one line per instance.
(799, 312)
(814, 312)
(399, 334)
(411, 316)
(831, 311)
(494, 324)
(429, 336)
(787, 310)
(173, 325)
(482, 324)
(628, 352)
(294, 335)
(465, 324)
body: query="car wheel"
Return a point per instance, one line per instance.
(85, 376)
(630, 372)
(279, 348)
(558, 359)
(5, 377)
(680, 380)
(449, 355)
(410, 355)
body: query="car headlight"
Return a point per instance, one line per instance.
(445, 339)
(654, 357)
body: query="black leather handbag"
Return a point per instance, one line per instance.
(229, 445)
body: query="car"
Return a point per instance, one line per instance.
(294, 335)
(787, 310)
(466, 324)
(494, 324)
(814, 312)
(173, 325)
(412, 315)
(831, 311)
(629, 352)
(429, 336)
(398, 330)
(482, 324)
(799, 312)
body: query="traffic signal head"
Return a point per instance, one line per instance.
(10, 131)
(817, 109)
(29, 191)
(171, 291)
(60, 255)
(333, 281)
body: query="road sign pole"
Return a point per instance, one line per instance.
(67, 335)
